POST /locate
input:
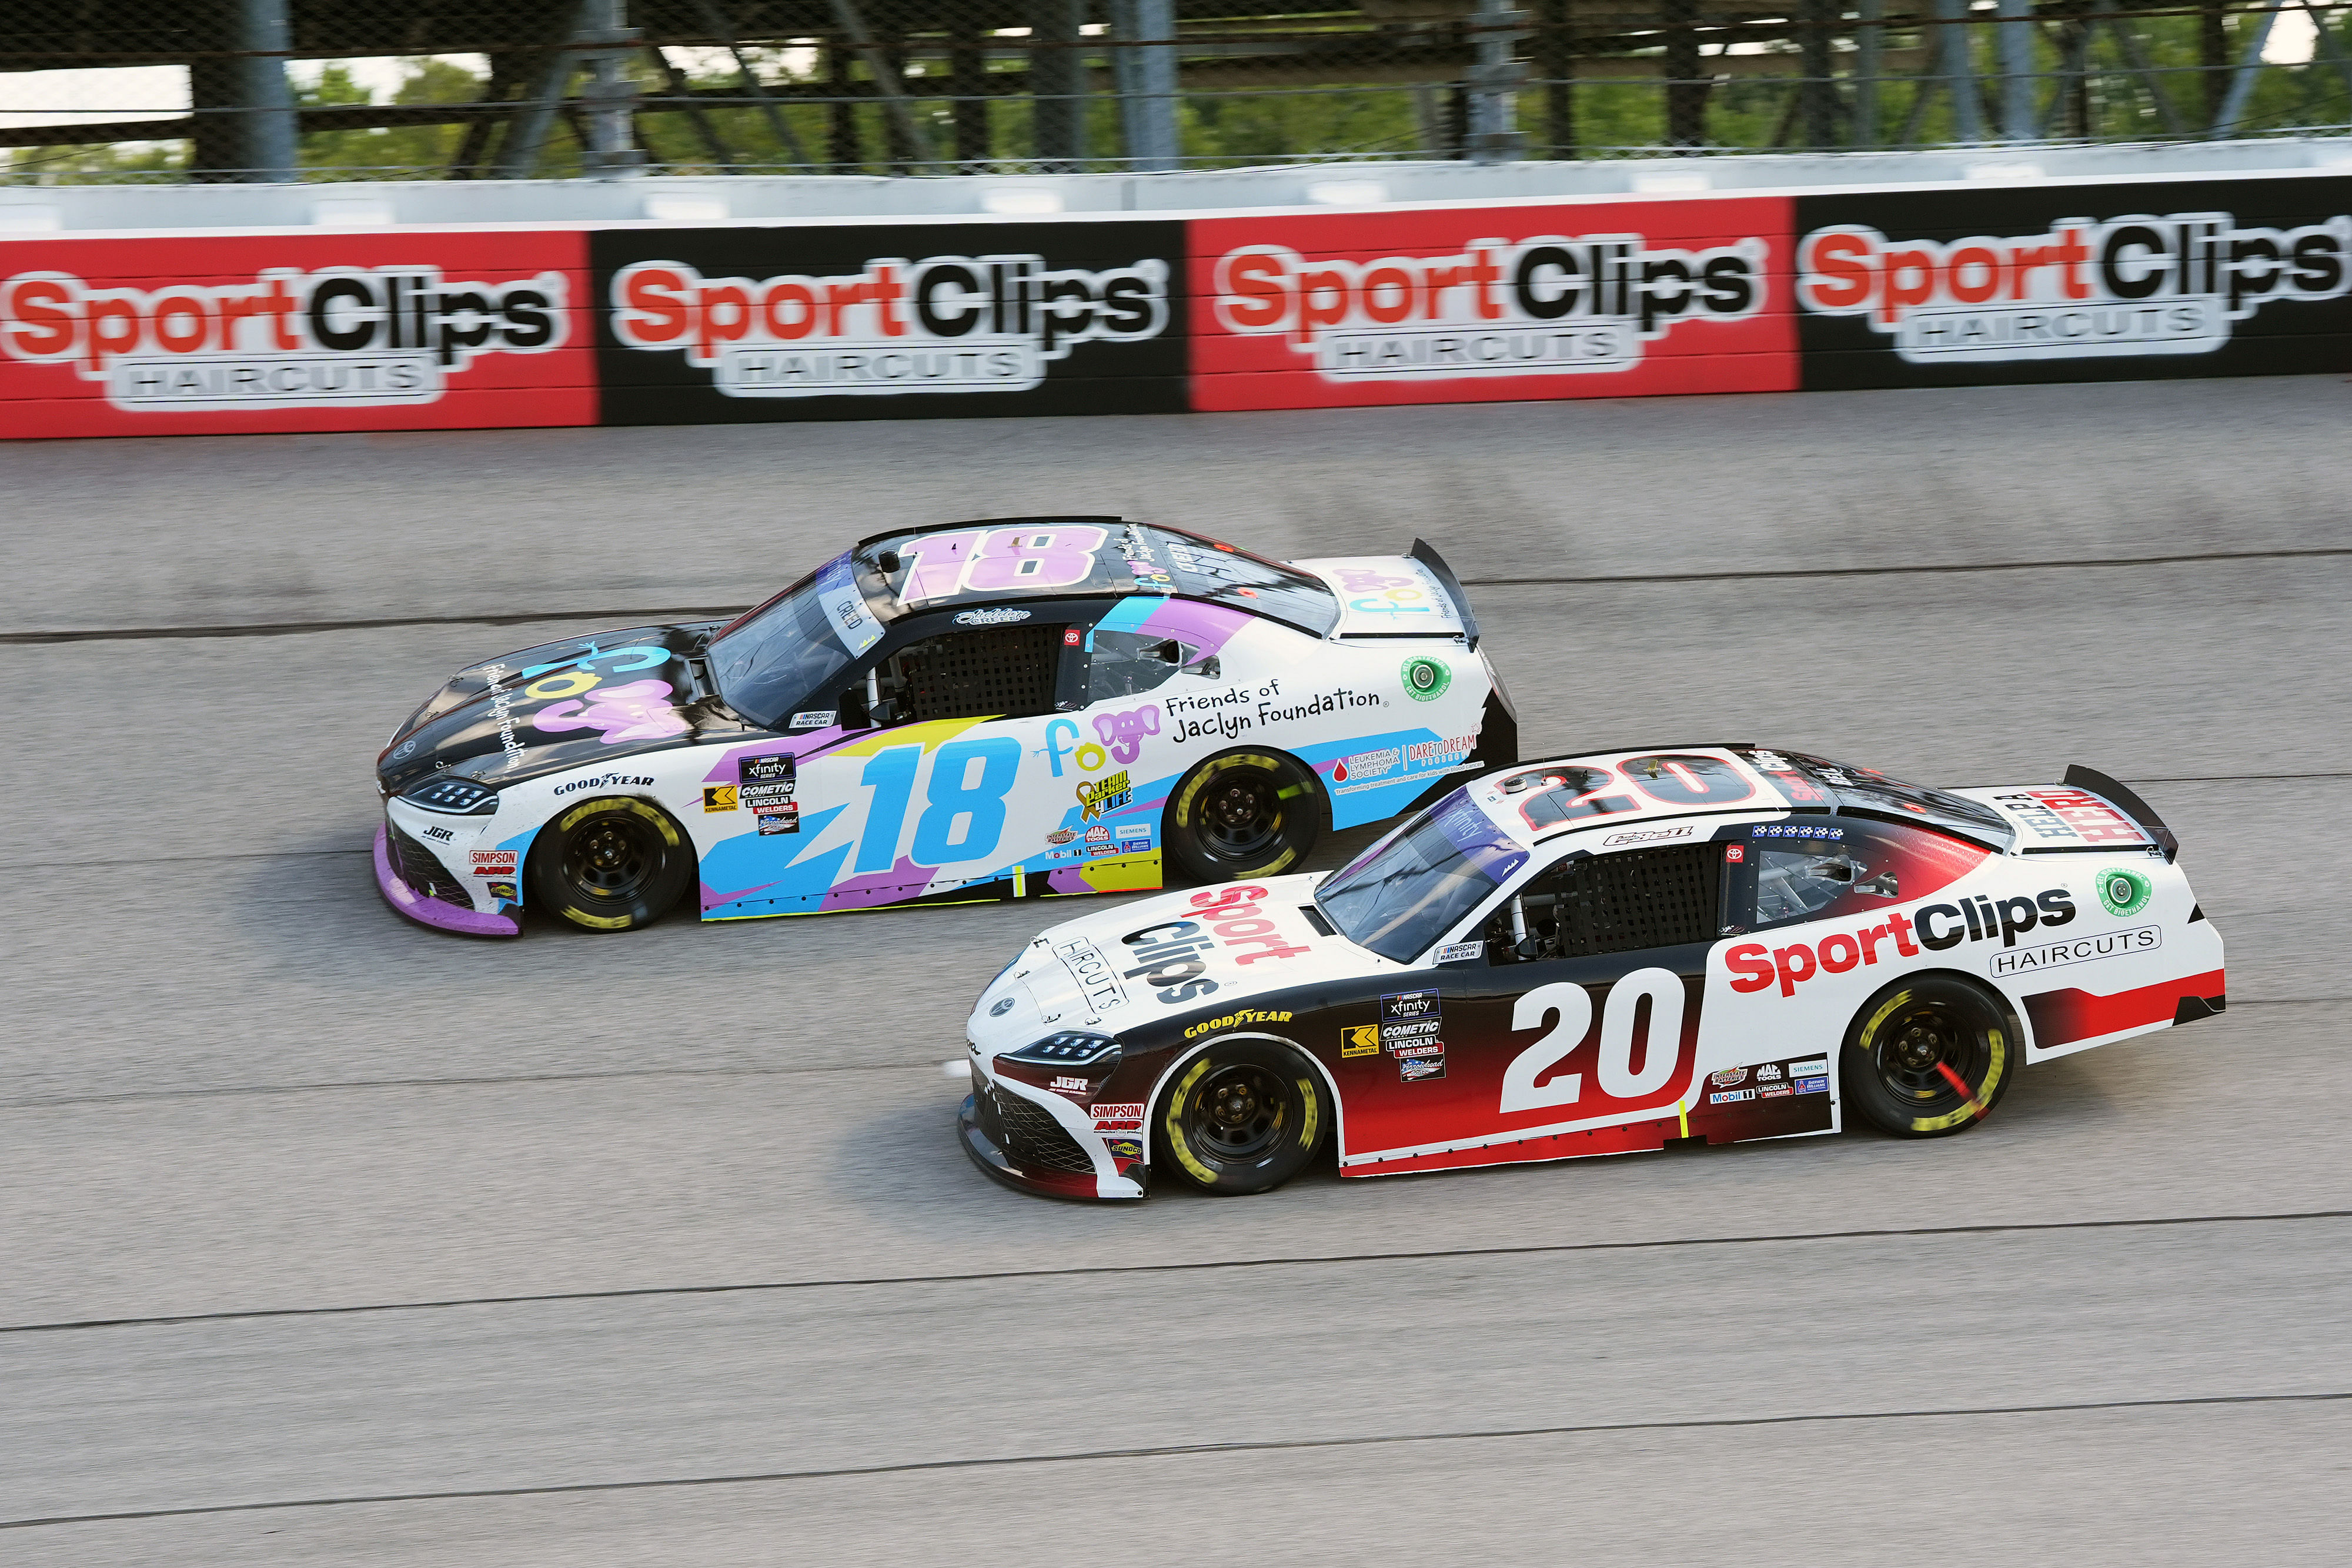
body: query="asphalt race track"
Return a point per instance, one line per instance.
(328, 1239)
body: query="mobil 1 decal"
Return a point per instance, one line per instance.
(889, 321)
(2125, 281)
(1489, 303)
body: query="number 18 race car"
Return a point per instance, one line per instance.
(1016, 708)
(1592, 956)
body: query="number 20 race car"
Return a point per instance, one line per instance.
(1591, 957)
(1013, 708)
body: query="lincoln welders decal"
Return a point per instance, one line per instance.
(2061, 283)
(790, 323)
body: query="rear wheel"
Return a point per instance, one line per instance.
(1930, 1057)
(610, 866)
(1244, 1116)
(1243, 814)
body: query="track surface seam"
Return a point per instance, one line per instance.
(708, 613)
(1180, 1450)
(1105, 1269)
(362, 1085)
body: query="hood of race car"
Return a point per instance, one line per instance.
(559, 705)
(1160, 958)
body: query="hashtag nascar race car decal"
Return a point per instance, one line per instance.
(1007, 708)
(1594, 955)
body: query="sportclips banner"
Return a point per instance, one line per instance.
(854, 321)
(1493, 303)
(2063, 283)
(214, 334)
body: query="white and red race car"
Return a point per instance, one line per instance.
(1597, 954)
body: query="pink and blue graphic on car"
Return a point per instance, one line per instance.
(1008, 708)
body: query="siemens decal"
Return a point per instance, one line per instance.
(943, 324)
(2087, 288)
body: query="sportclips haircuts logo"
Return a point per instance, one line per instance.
(336, 338)
(944, 324)
(1502, 308)
(2088, 287)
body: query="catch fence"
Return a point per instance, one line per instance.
(215, 90)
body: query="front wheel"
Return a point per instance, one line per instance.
(1243, 814)
(610, 866)
(1244, 1116)
(1930, 1057)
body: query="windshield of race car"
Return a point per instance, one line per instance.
(1411, 888)
(794, 647)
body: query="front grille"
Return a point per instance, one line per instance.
(1649, 898)
(423, 872)
(1030, 1136)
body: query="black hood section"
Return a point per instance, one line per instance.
(560, 706)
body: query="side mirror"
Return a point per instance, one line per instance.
(1171, 652)
(853, 714)
(1881, 886)
(888, 562)
(1209, 669)
(1533, 948)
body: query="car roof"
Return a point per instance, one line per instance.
(1654, 783)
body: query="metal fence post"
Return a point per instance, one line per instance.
(1869, 54)
(1495, 78)
(1818, 92)
(269, 125)
(1144, 65)
(2016, 31)
(1057, 82)
(1958, 71)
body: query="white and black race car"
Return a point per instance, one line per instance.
(1594, 955)
(1020, 707)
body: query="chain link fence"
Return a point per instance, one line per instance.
(328, 90)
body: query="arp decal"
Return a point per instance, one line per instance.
(890, 320)
(1516, 302)
(214, 333)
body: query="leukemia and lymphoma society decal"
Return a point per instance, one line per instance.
(99, 337)
(1504, 302)
(797, 323)
(1971, 287)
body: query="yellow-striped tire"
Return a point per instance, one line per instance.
(1244, 1116)
(1243, 814)
(1929, 1056)
(610, 864)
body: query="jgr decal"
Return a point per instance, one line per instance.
(1544, 305)
(2084, 288)
(943, 324)
(337, 337)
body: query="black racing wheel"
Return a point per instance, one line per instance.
(1930, 1056)
(1243, 1117)
(610, 866)
(1243, 814)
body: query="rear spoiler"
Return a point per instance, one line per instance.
(1428, 556)
(2080, 778)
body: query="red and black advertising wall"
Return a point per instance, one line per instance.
(668, 324)
(214, 334)
(735, 323)
(2095, 281)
